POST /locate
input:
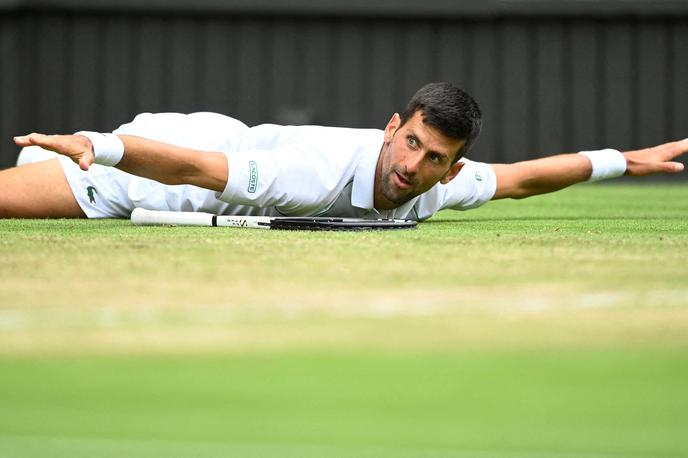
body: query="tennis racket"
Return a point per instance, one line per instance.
(142, 217)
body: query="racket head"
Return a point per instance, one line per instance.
(339, 224)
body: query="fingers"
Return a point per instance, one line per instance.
(674, 167)
(643, 167)
(85, 163)
(667, 167)
(28, 140)
(22, 141)
(675, 149)
(44, 141)
(663, 152)
(77, 148)
(658, 159)
(683, 146)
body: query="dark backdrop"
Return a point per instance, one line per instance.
(549, 76)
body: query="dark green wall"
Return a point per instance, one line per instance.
(550, 76)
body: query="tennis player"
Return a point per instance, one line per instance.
(208, 162)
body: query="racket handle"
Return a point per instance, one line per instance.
(143, 217)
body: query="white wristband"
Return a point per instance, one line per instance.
(108, 148)
(606, 163)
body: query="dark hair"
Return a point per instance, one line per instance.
(449, 109)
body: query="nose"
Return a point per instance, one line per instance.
(413, 160)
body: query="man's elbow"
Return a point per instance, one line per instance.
(208, 171)
(513, 191)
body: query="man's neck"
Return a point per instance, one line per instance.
(380, 202)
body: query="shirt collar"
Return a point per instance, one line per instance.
(362, 190)
(364, 177)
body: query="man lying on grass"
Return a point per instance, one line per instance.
(212, 163)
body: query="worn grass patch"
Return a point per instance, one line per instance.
(608, 261)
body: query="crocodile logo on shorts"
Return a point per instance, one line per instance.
(478, 177)
(253, 176)
(91, 193)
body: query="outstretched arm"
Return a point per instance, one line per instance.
(158, 161)
(539, 176)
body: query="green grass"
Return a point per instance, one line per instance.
(551, 327)
(564, 403)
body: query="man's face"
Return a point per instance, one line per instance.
(413, 159)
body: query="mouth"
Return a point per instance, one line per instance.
(401, 181)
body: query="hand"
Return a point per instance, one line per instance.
(657, 159)
(76, 147)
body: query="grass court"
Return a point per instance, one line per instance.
(554, 327)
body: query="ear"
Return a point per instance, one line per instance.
(453, 171)
(392, 127)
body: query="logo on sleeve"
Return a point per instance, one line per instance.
(253, 177)
(478, 177)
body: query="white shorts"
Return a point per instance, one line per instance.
(101, 192)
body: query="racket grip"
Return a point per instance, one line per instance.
(143, 217)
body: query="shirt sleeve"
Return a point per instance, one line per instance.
(474, 186)
(292, 178)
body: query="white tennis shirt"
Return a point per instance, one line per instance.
(292, 170)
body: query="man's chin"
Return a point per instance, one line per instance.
(393, 194)
(398, 198)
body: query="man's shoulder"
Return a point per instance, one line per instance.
(473, 186)
(318, 130)
(325, 139)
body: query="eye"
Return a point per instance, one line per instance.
(436, 158)
(412, 142)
